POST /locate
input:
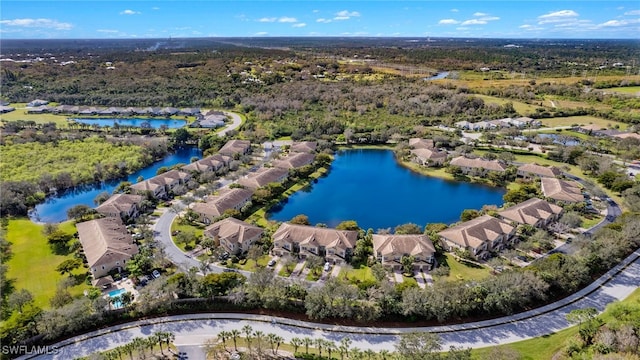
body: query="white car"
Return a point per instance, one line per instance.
(156, 274)
(327, 266)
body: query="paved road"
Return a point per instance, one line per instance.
(237, 121)
(194, 330)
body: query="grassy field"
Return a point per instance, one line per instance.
(33, 263)
(461, 271)
(361, 274)
(582, 120)
(476, 80)
(520, 107)
(176, 226)
(20, 114)
(543, 348)
(252, 265)
(625, 90)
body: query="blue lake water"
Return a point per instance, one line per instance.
(54, 209)
(370, 187)
(438, 76)
(135, 122)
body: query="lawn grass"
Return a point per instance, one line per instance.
(428, 171)
(521, 107)
(592, 220)
(582, 120)
(461, 271)
(252, 265)
(624, 90)
(357, 275)
(33, 262)
(544, 347)
(176, 226)
(20, 113)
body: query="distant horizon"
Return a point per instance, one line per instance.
(519, 19)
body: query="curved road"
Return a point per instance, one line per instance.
(192, 331)
(237, 121)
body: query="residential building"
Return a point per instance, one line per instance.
(523, 122)
(303, 146)
(562, 191)
(263, 177)
(478, 166)
(465, 125)
(535, 212)
(210, 163)
(107, 245)
(481, 236)
(389, 250)
(534, 170)
(233, 147)
(235, 236)
(335, 246)
(124, 206)
(216, 205)
(429, 157)
(294, 160)
(37, 102)
(156, 189)
(160, 185)
(417, 143)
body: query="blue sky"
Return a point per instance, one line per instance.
(163, 19)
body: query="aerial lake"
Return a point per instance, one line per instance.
(54, 209)
(135, 122)
(370, 187)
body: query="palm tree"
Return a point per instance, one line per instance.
(319, 343)
(128, 348)
(356, 354)
(307, 341)
(271, 337)
(139, 344)
(224, 335)
(369, 353)
(234, 335)
(344, 347)
(330, 346)
(279, 340)
(296, 342)
(384, 354)
(259, 335)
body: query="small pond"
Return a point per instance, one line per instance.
(134, 122)
(370, 187)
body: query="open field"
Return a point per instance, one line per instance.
(634, 90)
(252, 265)
(582, 120)
(176, 226)
(543, 348)
(361, 274)
(475, 79)
(20, 114)
(461, 270)
(521, 107)
(33, 264)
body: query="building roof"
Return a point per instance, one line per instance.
(539, 170)
(233, 230)
(492, 165)
(262, 177)
(170, 176)
(413, 245)
(235, 146)
(531, 211)
(562, 190)
(105, 241)
(429, 153)
(627, 135)
(227, 199)
(147, 185)
(215, 161)
(475, 232)
(303, 146)
(315, 236)
(119, 203)
(418, 143)
(295, 160)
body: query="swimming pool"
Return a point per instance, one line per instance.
(116, 292)
(115, 300)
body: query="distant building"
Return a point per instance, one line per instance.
(478, 166)
(263, 177)
(216, 205)
(304, 146)
(124, 206)
(294, 160)
(535, 170)
(429, 157)
(210, 163)
(233, 147)
(37, 102)
(417, 143)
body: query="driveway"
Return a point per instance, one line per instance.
(236, 122)
(397, 276)
(195, 329)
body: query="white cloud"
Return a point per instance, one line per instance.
(261, 33)
(490, 18)
(618, 23)
(155, 8)
(557, 16)
(286, 19)
(316, 11)
(633, 12)
(299, 25)
(38, 23)
(448, 22)
(346, 15)
(129, 12)
(107, 31)
(265, 19)
(454, 10)
(474, 22)
(480, 14)
(324, 21)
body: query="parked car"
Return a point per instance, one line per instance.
(327, 266)
(156, 274)
(272, 262)
(223, 256)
